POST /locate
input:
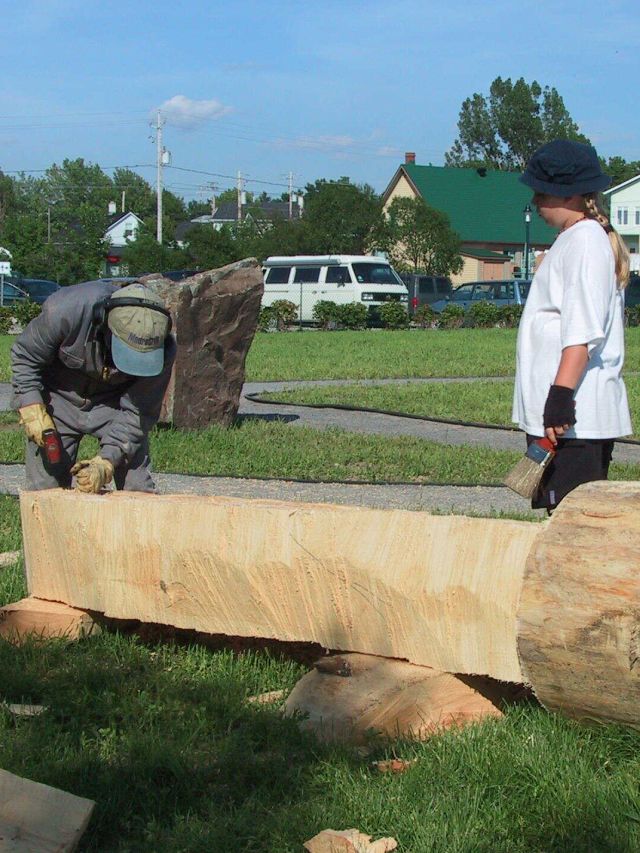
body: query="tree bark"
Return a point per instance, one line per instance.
(579, 616)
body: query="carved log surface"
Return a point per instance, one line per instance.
(440, 591)
(579, 618)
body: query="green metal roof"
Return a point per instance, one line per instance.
(474, 252)
(481, 209)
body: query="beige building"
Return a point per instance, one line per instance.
(487, 210)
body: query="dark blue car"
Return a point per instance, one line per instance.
(37, 289)
(510, 292)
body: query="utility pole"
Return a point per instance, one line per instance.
(124, 192)
(240, 194)
(290, 195)
(159, 164)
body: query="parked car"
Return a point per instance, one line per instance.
(426, 289)
(10, 293)
(178, 275)
(510, 292)
(632, 291)
(308, 279)
(38, 289)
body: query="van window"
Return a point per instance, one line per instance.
(278, 275)
(338, 275)
(443, 287)
(307, 274)
(425, 285)
(374, 274)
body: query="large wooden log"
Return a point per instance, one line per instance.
(447, 592)
(579, 619)
(440, 591)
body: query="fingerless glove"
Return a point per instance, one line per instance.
(560, 408)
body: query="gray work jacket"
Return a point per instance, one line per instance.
(57, 356)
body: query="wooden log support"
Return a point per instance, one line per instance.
(35, 817)
(353, 696)
(33, 617)
(447, 592)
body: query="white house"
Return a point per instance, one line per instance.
(625, 215)
(123, 227)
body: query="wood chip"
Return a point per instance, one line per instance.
(394, 765)
(348, 841)
(8, 558)
(267, 698)
(25, 710)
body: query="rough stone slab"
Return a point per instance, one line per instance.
(215, 316)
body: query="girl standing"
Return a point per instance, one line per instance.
(570, 348)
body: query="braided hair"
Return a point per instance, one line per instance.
(595, 210)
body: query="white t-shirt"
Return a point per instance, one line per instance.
(573, 300)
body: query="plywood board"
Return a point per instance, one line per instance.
(36, 818)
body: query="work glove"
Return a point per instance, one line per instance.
(92, 474)
(36, 420)
(560, 408)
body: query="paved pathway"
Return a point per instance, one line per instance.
(468, 499)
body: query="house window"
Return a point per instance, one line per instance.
(622, 216)
(128, 232)
(637, 222)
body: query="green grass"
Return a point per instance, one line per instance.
(5, 365)
(159, 735)
(479, 402)
(379, 354)
(279, 450)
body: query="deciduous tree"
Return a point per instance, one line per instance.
(503, 130)
(419, 237)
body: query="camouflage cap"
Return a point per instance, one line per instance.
(138, 331)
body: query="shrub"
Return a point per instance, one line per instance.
(285, 313)
(483, 315)
(632, 315)
(451, 317)
(373, 316)
(425, 317)
(6, 320)
(325, 313)
(394, 315)
(509, 315)
(353, 315)
(267, 320)
(25, 311)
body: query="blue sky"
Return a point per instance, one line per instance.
(321, 89)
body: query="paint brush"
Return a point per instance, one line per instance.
(524, 478)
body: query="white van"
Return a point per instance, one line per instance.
(306, 279)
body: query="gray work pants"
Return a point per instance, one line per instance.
(72, 423)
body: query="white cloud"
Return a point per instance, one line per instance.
(188, 114)
(388, 151)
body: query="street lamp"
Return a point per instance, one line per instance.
(527, 225)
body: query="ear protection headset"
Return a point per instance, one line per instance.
(101, 309)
